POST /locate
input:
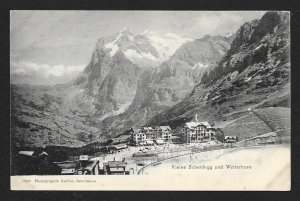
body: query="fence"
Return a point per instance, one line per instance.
(155, 160)
(267, 138)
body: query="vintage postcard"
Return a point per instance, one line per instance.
(150, 100)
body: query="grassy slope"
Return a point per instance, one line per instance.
(39, 117)
(250, 125)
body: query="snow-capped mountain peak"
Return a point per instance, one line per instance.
(147, 32)
(165, 44)
(114, 43)
(146, 49)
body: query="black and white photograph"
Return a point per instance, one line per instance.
(174, 100)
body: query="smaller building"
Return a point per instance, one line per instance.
(230, 139)
(117, 148)
(91, 167)
(115, 168)
(67, 167)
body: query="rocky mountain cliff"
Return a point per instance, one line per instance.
(159, 89)
(205, 50)
(110, 83)
(106, 88)
(110, 79)
(253, 73)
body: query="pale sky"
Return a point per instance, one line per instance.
(67, 38)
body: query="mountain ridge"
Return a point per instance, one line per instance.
(255, 67)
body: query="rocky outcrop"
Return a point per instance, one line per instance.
(112, 86)
(205, 50)
(242, 36)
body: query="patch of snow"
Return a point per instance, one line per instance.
(258, 47)
(149, 56)
(114, 51)
(228, 35)
(251, 33)
(172, 35)
(248, 79)
(122, 109)
(130, 53)
(165, 45)
(220, 51)
(200, 65)
(95, 60)
(148, 32)
(113, 46)
(130, 37)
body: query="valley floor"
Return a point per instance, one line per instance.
(159, 153)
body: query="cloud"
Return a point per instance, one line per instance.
(222, 22)
(43, 73)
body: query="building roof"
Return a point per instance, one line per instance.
(165, 127)
(116, 169)
(119, 146)
(194, 124)
(158, 141)
(116, 164)
(149, 142)
(43, 154)
(83, 157)
(137, 130)
(90, 165)
(228, 136)
(151, 128)
(68, 171)
(148, 128)
(26, 153)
